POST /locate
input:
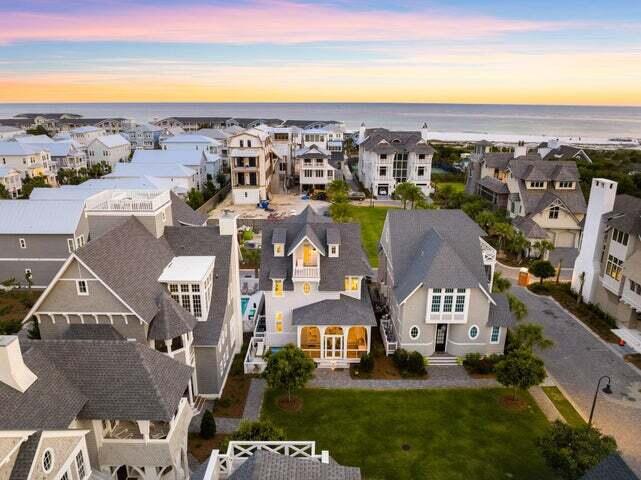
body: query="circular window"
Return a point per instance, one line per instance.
(47, 460)
(474, 332)
(306, 288)
(414, 332)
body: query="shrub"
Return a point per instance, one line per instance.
(477, 364)
(247, 235)
(208, 425)
(288, 369)
(416, 363)
(367, 363)
(400, 359)
(10, 327)
(572, 451)
(540, 289)
(260, 430)
(28, 302)
(517, 307)
(520, 369)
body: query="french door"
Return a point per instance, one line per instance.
(333, 346)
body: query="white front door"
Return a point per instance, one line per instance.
(333, 346)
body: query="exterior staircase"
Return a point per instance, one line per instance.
(442, 361)
(333, 364)
(199, 405)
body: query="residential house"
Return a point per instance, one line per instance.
(435, 272)
(106, 408)
(172, 288)
(554, 150)
(173, 176)
(253, 164)
(64, 153)
(387, 158)
(285, 141)
(11, 180)
(144, 136)
(313, 275)
(36, 237)
(194, 159)
(607, 271)
(190, 142)
(192, 124)
(30, 161)
(87, 134)
(315, 168)
(109, 148)
(543, 197)
(63, 122)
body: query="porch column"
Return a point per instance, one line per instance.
(344, 345)
(321, 331)
(298, 329)
(369, 338)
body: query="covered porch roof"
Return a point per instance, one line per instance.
(344, 311)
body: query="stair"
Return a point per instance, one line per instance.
(199, 405)
(442, 360)
(333, 364)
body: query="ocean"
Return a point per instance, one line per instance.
(565, 121)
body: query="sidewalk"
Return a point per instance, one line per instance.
(252, 408)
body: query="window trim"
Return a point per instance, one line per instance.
(278, 322)
(278, 292)
(79, 291)
(71, 245)
(469, 332)
(22, 243)
(307, 288)
(498, 337)
(418, 334)
(52, 460)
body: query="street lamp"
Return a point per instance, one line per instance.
(607, 390)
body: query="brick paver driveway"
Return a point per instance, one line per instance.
(577, 360)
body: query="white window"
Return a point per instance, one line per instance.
(613, 267)
(278, 288)
(565, 185)
(70, 245)
(537, 184)
(278, 318)
(635, 287)
(495, 337)
(620, 237)
(448, 300)
(80, 241)
(307, 288)
(47, 460)
(352, 284)
(473, 333)
(554, 212)
(414, 332)
(81, 287)
(22, 242)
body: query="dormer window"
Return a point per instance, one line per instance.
(279, 250)
(352, 284)
(537, 184)
(189, 281)
(383, 156)
(554, 212)
(333, 250)
(565, 185)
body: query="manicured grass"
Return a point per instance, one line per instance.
(408, 434)
(564, 407)
(457, 186)
(372, 220)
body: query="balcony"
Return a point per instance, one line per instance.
(489, 253)
(632, 299)
(244, 152)
(306, 272)
(611, 284)
(127, 201)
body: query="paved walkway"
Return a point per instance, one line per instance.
(577, 360)
(252, 408)
(438, 377)
(545, 404)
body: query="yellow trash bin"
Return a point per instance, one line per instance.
(524, 277)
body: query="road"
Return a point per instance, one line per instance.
(577, 360)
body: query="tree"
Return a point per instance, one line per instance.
(542, 247)
(208, 425)
(38, 130)
(485, 219)
(339, 209)
(572, 451)
(195, 198)
(504, 231)
(500, 284)
(209, 190)
(4, 194)
(221, 179)
(517, 307)
(288, 369)
(520, 369)
(98, 170)
(337, 189)
(29, 183)
(528, 336)
(517, 244)
(408, 192)
(542, 269)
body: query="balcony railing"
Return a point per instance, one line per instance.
(632, 299)
(389, 335)
(489, 253)
(306, 272)
(611, 284)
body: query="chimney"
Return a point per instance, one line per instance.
(425, 132)
(587, 264)
(13, 371)
(520, 150)
(227, 223)
(361, 133)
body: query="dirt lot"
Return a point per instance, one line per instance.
(283, 204)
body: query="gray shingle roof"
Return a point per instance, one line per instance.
(273, 466)
(529, 227)
(121, 380)
(79, 331)
(381, 140)
(24, 460)
(183, 214)
(626, 214)
(613, 467)
(352, 259)
(279, 235)
(544, 170)
(333, 236)
(306, 232)
(495, 185)
(344, 311)
(500, 314)
(535, 201)
(498, 160)
(171, 321)
(439, 248)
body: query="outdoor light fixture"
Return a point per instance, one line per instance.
(607, 390)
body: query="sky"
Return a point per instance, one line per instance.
(584, 52)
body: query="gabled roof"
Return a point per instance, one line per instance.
(183, 214)
(381, 140)
(44, 217)
(306, 233)
(535, 201)
(436, 248)
(24, 460)
(112, 141)
(626, 214)
(16, 148)
(312, 152)
(529, 227)
(495, 185)
(264, 465)
(344, 311)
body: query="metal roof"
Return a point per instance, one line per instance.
(48, 217)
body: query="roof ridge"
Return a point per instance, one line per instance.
(140, 348)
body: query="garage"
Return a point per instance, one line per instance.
(564, 239)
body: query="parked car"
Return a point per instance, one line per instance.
(360, 196)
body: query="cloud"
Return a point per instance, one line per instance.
(273, 21)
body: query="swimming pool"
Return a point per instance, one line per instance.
(243, 304)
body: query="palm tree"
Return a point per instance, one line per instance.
(485, 219)
(543, 246)
(504, 231)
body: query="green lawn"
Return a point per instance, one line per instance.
(564, 407)
(451, 434)
(371, 220)
(457, 186)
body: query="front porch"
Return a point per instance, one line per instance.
(327, 344)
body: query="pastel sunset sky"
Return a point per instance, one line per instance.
(463, 51)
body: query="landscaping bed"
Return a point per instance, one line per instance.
(564, 407)
(384, 366)
(232, 401)
(408, 434)
(598, 321)
(14, 306)
(634, 359)
(201, 448)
